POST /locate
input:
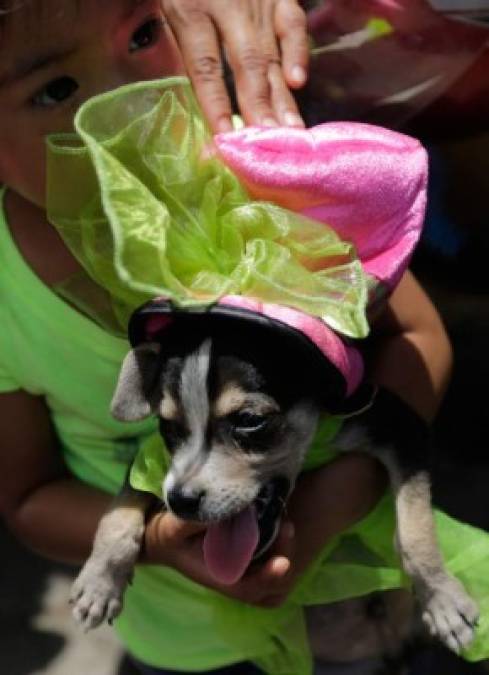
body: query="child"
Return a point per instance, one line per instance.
(62, 454)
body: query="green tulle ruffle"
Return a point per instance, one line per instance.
(143, 203)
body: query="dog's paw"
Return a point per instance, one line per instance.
(450, 613)
(96, 596)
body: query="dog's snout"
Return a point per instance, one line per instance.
(185, 504)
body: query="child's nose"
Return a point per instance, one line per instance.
(110, 78)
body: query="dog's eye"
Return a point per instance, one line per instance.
(247, 422)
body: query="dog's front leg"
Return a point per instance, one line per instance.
(97, 593)
(391, 431)
(447, 609)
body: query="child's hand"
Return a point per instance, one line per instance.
(177, 543)
(325, 502)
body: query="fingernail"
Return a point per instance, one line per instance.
(281, 565)
(293, 120)
(298, 74)
(269, 122)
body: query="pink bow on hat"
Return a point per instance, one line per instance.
(366, 182)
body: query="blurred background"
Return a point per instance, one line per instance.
(417, 66)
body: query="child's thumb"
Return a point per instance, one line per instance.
(178, 529)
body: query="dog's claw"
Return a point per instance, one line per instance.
(96, 597)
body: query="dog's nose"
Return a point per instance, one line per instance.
(184, 504)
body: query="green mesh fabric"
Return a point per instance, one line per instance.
(148, 210)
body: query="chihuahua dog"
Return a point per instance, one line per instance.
(238, 406)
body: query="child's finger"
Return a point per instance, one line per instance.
(285, 542)
(285, 108)
(291, 28)
(274, 571)
(177, 530)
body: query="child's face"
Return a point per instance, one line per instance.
(54, 54)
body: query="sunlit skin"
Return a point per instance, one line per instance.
(58, 55)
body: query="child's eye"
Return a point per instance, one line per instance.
(55, 92)
(146, 35)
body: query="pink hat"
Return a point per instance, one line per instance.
(367, 183)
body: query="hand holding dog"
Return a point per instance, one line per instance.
(324, 502)
(177, 543)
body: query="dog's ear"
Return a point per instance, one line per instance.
(136, 394)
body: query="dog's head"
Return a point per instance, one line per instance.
(238, 409)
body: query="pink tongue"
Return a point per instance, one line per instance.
(229, 546)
